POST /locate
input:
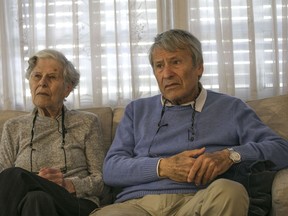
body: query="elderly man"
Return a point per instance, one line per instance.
(171, 149)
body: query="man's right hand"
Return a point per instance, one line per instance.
(178, 166)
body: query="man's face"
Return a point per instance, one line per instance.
(47, 85)
(176, 75)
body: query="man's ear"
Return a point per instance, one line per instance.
(200, 69)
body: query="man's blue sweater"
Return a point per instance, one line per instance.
(224, 121)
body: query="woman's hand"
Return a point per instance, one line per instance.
(55, 175)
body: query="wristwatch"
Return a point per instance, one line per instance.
(234, 156)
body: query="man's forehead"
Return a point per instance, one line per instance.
(162, 53)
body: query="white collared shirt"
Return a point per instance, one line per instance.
(200, 100)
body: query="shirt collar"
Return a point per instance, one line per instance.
(200, 100)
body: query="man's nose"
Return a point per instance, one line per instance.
(168, 71)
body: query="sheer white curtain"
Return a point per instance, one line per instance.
(107, 40)
(244, 45)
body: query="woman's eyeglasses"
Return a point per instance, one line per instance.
(63, 132)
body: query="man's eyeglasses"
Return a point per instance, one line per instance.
(191, 130)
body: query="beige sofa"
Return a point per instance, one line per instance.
(273, 111)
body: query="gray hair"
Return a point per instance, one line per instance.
(176, 39)
(70, 74)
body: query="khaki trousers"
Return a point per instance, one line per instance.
(222, 198)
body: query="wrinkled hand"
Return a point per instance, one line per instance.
(208, 166)
(195, 166)
(52, 174)
(178, 166)
(56, 176)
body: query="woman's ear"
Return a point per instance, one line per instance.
(68, 89)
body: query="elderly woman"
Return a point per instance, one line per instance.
(51, 159)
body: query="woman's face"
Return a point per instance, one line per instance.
(47, 84)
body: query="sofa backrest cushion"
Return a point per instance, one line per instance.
(273, 112)
(117, 116)
(7, 114)
(105, 115)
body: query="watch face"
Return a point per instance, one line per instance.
(235, 156)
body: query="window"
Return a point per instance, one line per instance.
(244, 46)
(106, 40)
(243, 43)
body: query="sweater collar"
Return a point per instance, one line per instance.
(60, 114)
(200, 100)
